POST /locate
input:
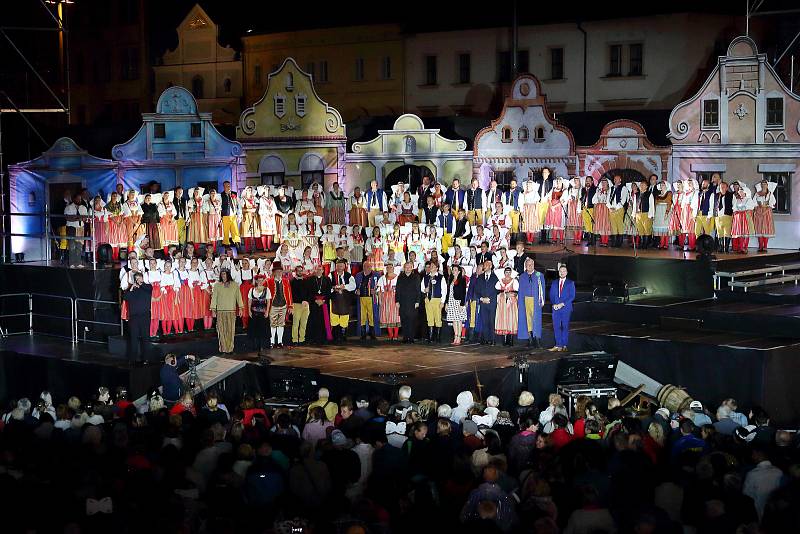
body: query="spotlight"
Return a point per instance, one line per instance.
(19, 257)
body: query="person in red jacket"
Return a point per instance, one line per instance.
(280, 289)
(560, 436)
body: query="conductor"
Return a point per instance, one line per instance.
(408, 297)
(138, 297)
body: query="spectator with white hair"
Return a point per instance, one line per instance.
(724, 424)
(403, 404)
(324, 401)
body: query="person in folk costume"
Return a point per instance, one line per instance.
(210, 274)
(743, 226)
(498, 239)
(458, 259)
(762, 213)
(198, 282)
(100, 230)
(530, 302)
(280, 304)
(311, 231)
(474, 201)
(431, 243)
(601, 213)
(243, 275)
(430, 213)
(513, 202)
(562, 293)
(251, 229)
(507, 314)
(170, 306)
(388, 312)
(317, 198)
(319, 292)
(292, 236)
(415, 241)
(438, 195)
(305, 207)
(283, 207)
(690, 200)
(724, 219)
(266, 217)
(704, 220)
(463, 230)
(258, 299)
(645, 214)
(150, 219)
(631, 209)
(376, 248)
(335, 205)
(455, 197)
(368, 304)
(456, 302)
(343, 284)
(185, 296)
(406, 210)
(574, 221)
(486, 294)
(226, 300)
(491, 197)
(447, 222)
(423, 192)
(231, 215)
(309, 263)
(396, 244)
(153, 277)
(479, 237)
(434, 292)
(166, 217)
(197, 217)
(499, 216)
(328, 240)
(530, 209)
(617, 202)
(407, 301)
(663, 214)
(357, 208)
(287, 258)
(473, 322)
(344, 243)
(587, 194)
(396, 197)
(502, 260)
(554, 219)
(179, 202)
(376, 203)
(676, 217)
(117, 232)
(300, 305)
(126, 280)
(132, 215)
(213, 212)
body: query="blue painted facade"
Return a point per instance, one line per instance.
(177, 145)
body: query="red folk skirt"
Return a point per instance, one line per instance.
(199, 302)
(574, 217)
(245, 288)
(117, 232)
(390, 315)
(602, 223)
(156, 304)
(185, 301)
(676, 220)
(554, 220)
(762, 220)
(207, 303)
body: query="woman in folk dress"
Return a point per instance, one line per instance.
(406, 210)
(431, 244)
(251, 228)
(397, 244)
(170, 306)
(153, 277)
(456, 306)
(266, 215)
(335, 205)
(328, 240)
(100, 230)
(357, 250)
(166, 217)
(117, 233)
(389, 310)
(575, 211)
(210, 274)
(244, 275)
(415, 241)
(530, 210)
(743, 226)
(602, 221)
(507, 317)
(676, 215)
(554, 219)
(763, 223)
(690, 201)
(213, 209)
(197, 231)
(358, 209)
(185, 296)
(663, 215)
(497, 240)
(308, 262)
(132, 215)
(317, 197)
(376, 249)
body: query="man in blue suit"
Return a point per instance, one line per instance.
(486, 294)
(562, 293)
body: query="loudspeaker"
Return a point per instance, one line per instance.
(105, 253)
(587, 368)
(292, 382)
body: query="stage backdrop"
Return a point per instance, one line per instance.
(63, 163)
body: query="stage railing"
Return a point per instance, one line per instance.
(79, 321)
(31, 312)
(46, 236)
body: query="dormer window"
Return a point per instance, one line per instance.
(506, 136)
(300, 105)
(280, 105)
(523, 134)
(538, 135)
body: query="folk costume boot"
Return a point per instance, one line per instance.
(429, 339)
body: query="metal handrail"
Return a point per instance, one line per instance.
(46, 235)
(28, 314)
(72, 331)
(78, 320)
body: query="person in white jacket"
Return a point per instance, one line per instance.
(617, 200)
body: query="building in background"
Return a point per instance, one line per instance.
(359, 69)
(291, 135)
(744, 124)
(629, 64)
(109, 67)
(623, 149)
(179, 145)
(523, 140)
(406, 153)
(213, 73)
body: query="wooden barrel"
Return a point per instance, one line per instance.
(673, 398)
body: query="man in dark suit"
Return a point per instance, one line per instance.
(138, 297)
(486, 294)
(484, 255)
(408, 295)
(562, 293)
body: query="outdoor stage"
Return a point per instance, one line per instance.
(716, 344)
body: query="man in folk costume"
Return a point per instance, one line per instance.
(423, 192)
(562, 293)
(430, 213)
(511, 199)
(587, 212)
(486, 293)
(473, 310)
(226, 299)
(646, 210)
(179, 202)
(546, 183)
(704, 221)
(368, 305)
(475, 202)
(724, 219)
(230, 216)
(376, 203)
(492, 197)
(455, 197)
(318, 291)
(446, 220)
(618, 199)
(280, 289)
(343, 286)
(530, 302)
(434, 289)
